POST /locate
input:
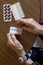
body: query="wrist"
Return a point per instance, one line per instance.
(25, 59)
(23, 52)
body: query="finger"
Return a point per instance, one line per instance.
(10, 41)
(27, 29)
(26, 22)
(20, 23)
(30, 30)
(13, 38)
(16, 42)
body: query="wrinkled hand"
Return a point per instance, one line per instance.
(15, 44)
(29, 25)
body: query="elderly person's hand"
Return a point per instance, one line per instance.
(15, 44)
(30, 25)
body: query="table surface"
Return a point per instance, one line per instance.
(41, 7)
(31, 8)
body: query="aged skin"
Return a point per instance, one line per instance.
(29, 25)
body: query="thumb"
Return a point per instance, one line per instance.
(28, 29)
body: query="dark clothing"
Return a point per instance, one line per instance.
(37, 55)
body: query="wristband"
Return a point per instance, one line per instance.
(24, 58)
